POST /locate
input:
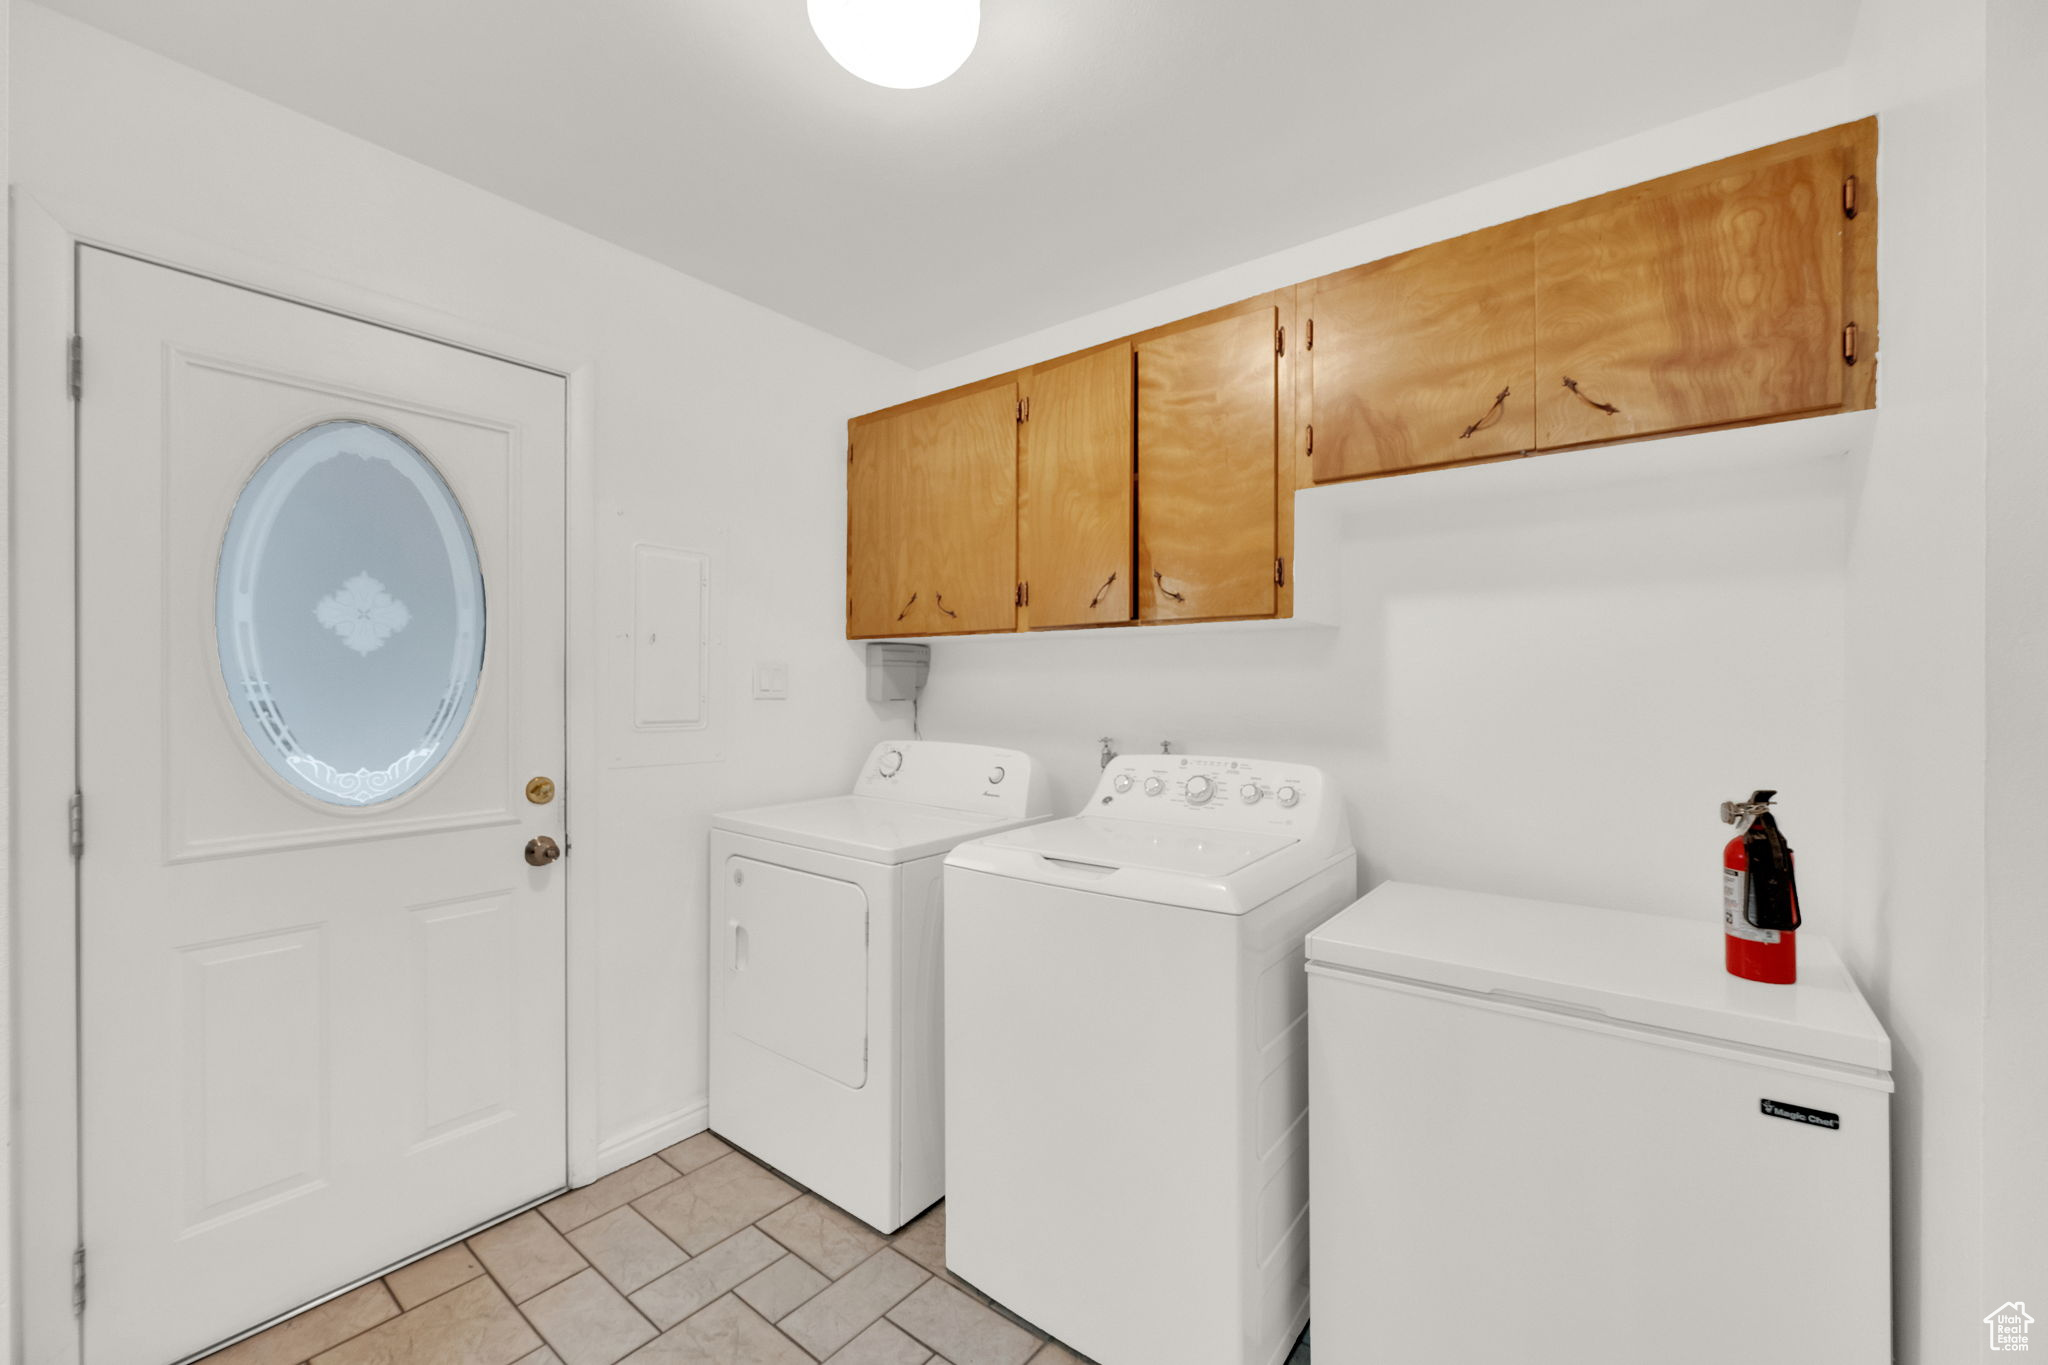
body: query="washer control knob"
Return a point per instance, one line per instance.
(892, 763)
(1200, 789)
(1289, 797)
(1122, 782)
(1153, 786)
(1250, 793)
(995, 775)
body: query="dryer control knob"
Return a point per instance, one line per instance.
(1250, 793)
(995, 775)
(1153, 786)
(1200, 789)
(1288, 797)
(1122, 782)
(892, 763)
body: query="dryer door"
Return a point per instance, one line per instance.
(795, 960)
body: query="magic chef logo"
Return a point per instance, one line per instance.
(1799, 1113)
(2008, 1325)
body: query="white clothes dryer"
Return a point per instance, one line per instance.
(826, 1059)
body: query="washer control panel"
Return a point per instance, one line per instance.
(1236, 793)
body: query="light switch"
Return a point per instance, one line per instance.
(771, 680)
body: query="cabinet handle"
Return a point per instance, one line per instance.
(1490, 416)
(1573, 385)
(1095, 600)
(1160, 579)
(941, 600)
(907, 606)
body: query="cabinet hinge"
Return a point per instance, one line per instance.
(1849, 197)
(1308, 335)
(1023, 594)
(77, 824)
(1849, 344)
(78, 1282)
(75, 367)
(1023, 409)
(1280, 341)
(1280, 573)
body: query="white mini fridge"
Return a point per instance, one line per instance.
(1546, 1134)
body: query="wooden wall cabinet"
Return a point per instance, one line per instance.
(1075, 512)
(931, 517)
(1715, 297)
(1207, 447)
(1151, 480)
(1737, 292)
(1426, 358)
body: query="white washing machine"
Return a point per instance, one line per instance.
(826, 1058)
(1126, 1059)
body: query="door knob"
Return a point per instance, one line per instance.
(541, 850)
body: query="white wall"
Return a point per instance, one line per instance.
(1916, 717)
(1546, 673)
(716, 424)
(2016, 932)
(6, 752)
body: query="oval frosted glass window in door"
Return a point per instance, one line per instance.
(350, 613)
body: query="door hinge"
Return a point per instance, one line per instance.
(1023, 594)
(1280, 341)
(1280, 573)
(1308, 335)
(78, 1282)
(75, 367)
(1849, 344)
(1024, 409)
(77, 824)
(1849, 197)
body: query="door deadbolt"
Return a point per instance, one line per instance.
(541, 790)
(541, 850)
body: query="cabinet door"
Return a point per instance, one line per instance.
(1427, 358)
(1716, 300)
(1075, 519)
(932, 518)
(1206, 474)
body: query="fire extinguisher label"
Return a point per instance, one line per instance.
(1799, 1113)
(1734, 897)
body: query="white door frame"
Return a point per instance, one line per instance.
(41, 905)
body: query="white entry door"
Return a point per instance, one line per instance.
(320, 658)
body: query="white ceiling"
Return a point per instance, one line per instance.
(1090, 151)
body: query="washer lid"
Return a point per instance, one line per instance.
(1626, 966)
(1181, 849)
(869, 828)
(1214, 868)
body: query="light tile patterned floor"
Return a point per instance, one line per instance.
(695, 1256)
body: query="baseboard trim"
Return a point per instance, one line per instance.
(626, 1148)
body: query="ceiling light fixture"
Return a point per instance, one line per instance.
(903, 44)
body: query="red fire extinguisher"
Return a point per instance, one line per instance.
(1759, 898)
